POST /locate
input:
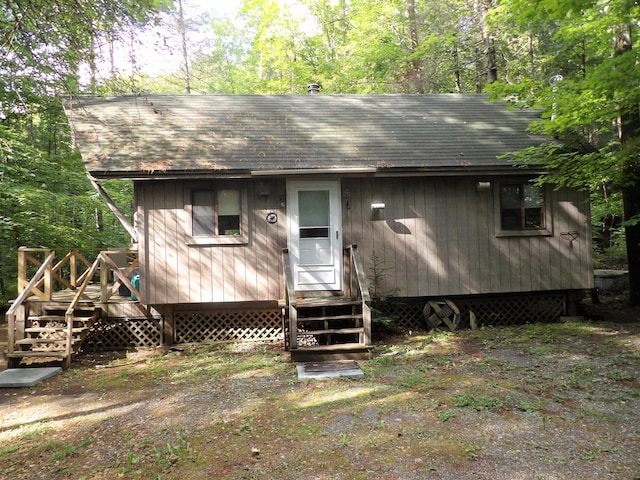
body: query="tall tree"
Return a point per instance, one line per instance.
(592, 114)
(45, 198)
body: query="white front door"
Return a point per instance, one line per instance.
(315, 234)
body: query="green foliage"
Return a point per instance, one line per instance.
(379, 273)
(347, 46)
(477, 402)
(45, 197)
(590, 115)
(581, 112)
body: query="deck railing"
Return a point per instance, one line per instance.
(68, 272)
(16, 313)
(72, 272)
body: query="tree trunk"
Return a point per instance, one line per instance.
(489, 45)
(182, 28)
(456, 73)
(415, 73)
(629, 129)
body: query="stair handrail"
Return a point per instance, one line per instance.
(101, 261)
(363, 290)
(290, 292)
(360, 276)
(17, 303)
(68, 316)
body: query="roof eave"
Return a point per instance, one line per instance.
(512, 169)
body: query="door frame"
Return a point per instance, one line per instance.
(335, 232)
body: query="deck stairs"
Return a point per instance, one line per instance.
(52, 335)
(327, 328)
(329, 325)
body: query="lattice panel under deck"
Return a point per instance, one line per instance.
(407, 316)
(123, 334)
(496, 311)
(507, 311)
(228, 325)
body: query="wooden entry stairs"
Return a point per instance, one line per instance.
(53, 313)
(49, 335)
(324, 326)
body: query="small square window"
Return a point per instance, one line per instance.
(522, 209)
(216, 215)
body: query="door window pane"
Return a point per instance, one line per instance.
(313, 208)
(314, 232)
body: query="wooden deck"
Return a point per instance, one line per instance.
(117, 306)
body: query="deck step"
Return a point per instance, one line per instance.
(326, 302)
(48, 318)
(75, 330)
(336, 346)
(356, 316)
(40, 341)
(321, 353)
(86, 306)
(38, 331)
(339, 331)
(51, 353)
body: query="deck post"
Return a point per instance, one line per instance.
(22, 269)
(48, 280)
(293, 327)
(73, 266)
(366, 322)
(69, 345)
(21, 318)
(104, 279)
(168, 326)
(290, 299)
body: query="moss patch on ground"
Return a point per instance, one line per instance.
(528, 402)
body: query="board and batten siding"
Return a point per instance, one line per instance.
(438, 237)
(174, 272)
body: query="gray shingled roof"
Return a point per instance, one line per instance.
(130, 136)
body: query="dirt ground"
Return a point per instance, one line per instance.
(530, 402)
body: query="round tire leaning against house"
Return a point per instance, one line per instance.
(441, 311)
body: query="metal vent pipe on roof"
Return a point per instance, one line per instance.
(313, 89)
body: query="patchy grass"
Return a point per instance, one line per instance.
(529, 402)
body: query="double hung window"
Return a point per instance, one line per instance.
(523, 209)
(216, 215)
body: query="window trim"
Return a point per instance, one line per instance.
(547, 230)
(210, 240)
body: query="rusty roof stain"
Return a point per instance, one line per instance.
(146, 135)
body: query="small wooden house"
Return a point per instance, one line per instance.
(245, 204)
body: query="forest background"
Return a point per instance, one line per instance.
(573, 59)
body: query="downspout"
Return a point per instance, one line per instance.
(124, 221)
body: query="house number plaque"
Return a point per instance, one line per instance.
(272, 217)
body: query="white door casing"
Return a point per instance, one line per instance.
(315, 234)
